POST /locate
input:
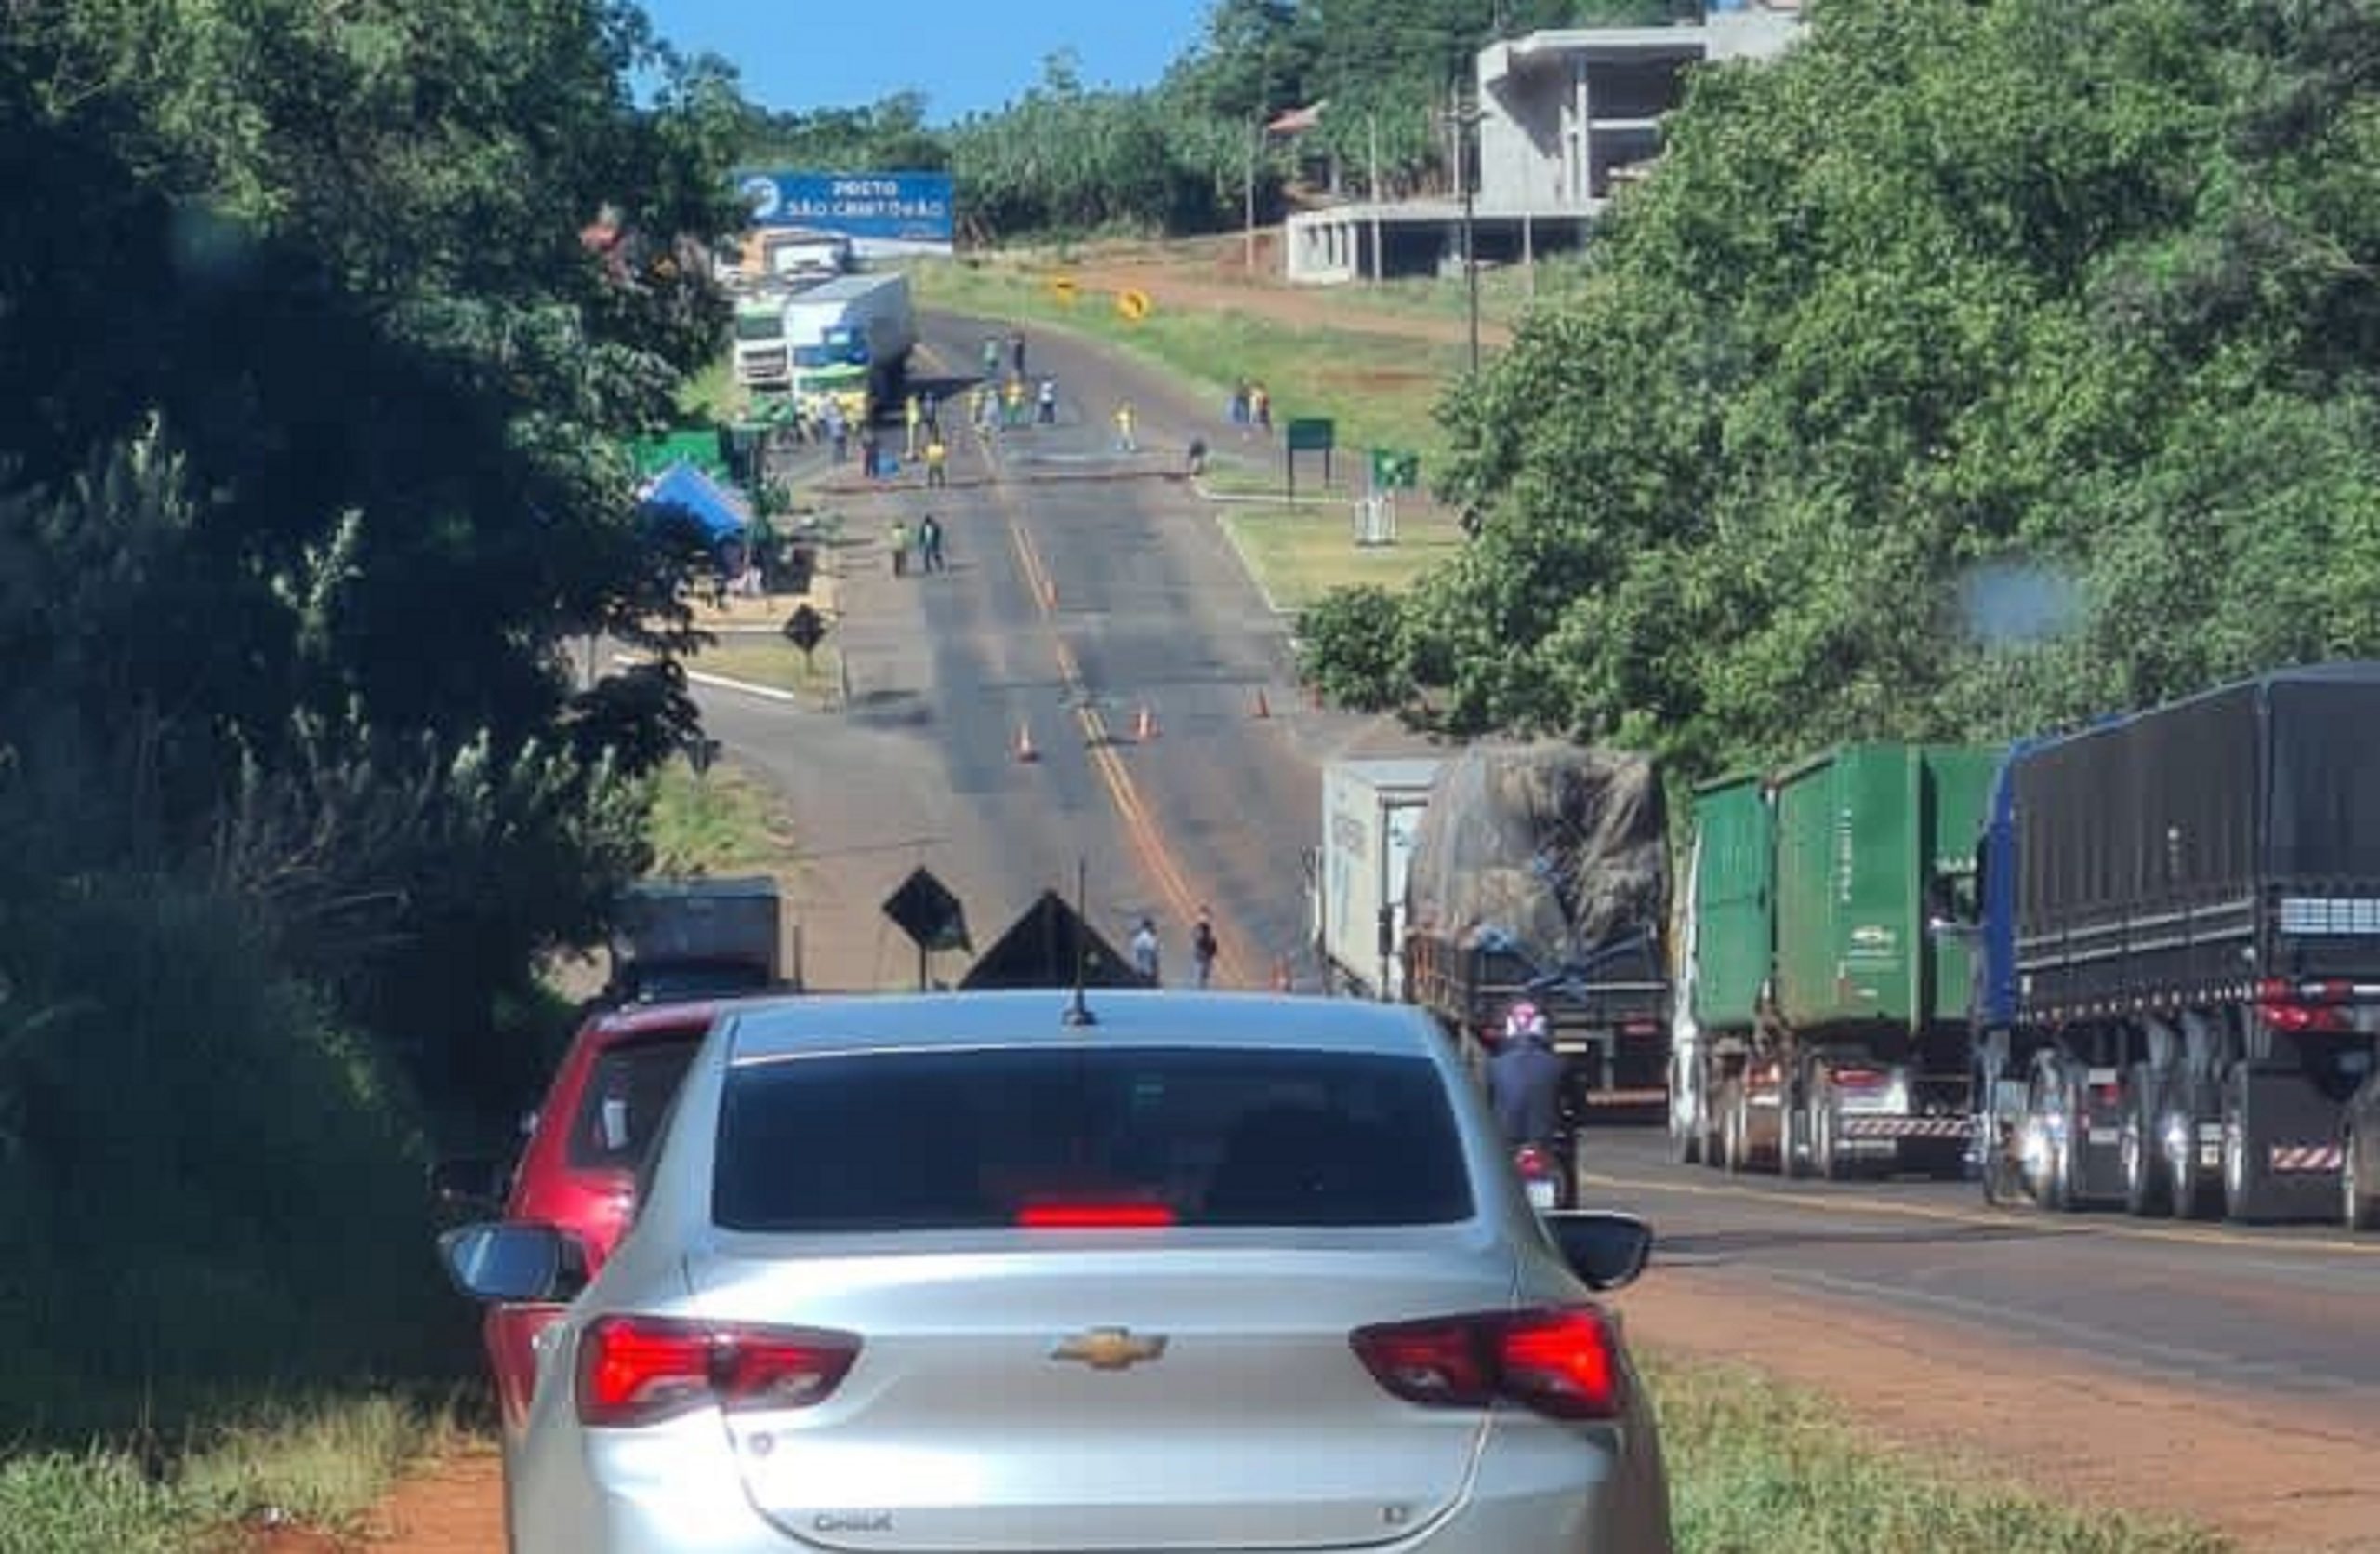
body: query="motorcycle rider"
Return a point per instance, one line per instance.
(1525, 1079)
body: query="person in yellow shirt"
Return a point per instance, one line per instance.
(936, 457)
(1125, 440)
(1013, 397)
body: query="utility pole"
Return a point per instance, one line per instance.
(1462, 121)
(1248, 197)
(1371, 121)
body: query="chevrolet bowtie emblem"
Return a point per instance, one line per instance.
(1110, 1348)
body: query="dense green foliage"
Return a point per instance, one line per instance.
(321, 322)
(1177, 157)
(1973, 368)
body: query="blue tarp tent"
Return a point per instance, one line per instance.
(690, 491)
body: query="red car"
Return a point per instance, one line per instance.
(606, 1102)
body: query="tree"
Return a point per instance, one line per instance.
(1952, 304)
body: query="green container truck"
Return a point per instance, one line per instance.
(1822, 1014)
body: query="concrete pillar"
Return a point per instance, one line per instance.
(1582, 187)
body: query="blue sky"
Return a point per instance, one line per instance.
(962, 54)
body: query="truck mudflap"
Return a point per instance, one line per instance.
(1854, 1125)
(2284, 1159)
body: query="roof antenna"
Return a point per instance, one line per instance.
(1079, 1012)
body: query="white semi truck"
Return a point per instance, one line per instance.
(794, 342)
(1371, 812)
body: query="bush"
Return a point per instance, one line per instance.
(211, 1191)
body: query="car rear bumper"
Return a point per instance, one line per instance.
(675, 1490)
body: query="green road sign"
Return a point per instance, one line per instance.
(1395, 469)
(1315, 435)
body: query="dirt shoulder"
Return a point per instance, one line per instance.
(2279, 1477)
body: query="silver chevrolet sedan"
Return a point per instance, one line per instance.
(1144, 1271)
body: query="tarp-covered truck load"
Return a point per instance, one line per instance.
(1540, 870)
(690, 939)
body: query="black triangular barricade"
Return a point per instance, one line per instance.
(1039, 951)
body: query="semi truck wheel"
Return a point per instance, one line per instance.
(2242, 1177)
(1735, 1130)
(2144, 1161)
(1792, 1142)
(2190, 1188)
(1826, 1159)
(2362, 1208)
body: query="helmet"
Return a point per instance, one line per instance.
(1523, 1019)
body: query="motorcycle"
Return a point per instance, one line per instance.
(1546, 1175)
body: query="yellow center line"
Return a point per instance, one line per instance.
(1147, 838)
(1838, 1203)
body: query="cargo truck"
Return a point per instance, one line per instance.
(1823, 1007)
(808, 342)
(1539, 872)
(696, 938)
(2180, 931)
(1371, 810)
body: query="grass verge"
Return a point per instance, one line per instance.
(1299, 553)
(1756, 1467)
(765, 659)
(321, 1466)
(1378, 387)
(723, 821)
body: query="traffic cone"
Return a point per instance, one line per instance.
(1025, 753)
(1264, 708)
(1145, 727)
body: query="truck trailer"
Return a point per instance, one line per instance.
(2179, 930)
(1824, 993)
(1371, 811)
(793, 342)
(1539, 872)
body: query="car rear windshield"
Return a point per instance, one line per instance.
(627, 1094)
(987, 1138)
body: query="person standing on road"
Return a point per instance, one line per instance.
(930, 542)
(1013, 400)
(936, 457)
(1260, 404)
(1525, 1079)
(991, 357)
(1016, 351)
(899, 541)
(1124, 442)
(1203, 949)
(913, 417)
(837, 431)
(1048, 400)
(1144, 951)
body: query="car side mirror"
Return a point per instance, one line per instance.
(1606, 1250)
(514, 1264)
(473, 1182)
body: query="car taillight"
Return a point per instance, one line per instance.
(1858, 1079)
(1533, 1163)
(642, 1370)
(1558, 1361)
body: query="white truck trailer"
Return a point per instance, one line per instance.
(1371, 808)
(783, 341)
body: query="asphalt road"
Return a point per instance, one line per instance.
(1087, 586)
(2295, 1311)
